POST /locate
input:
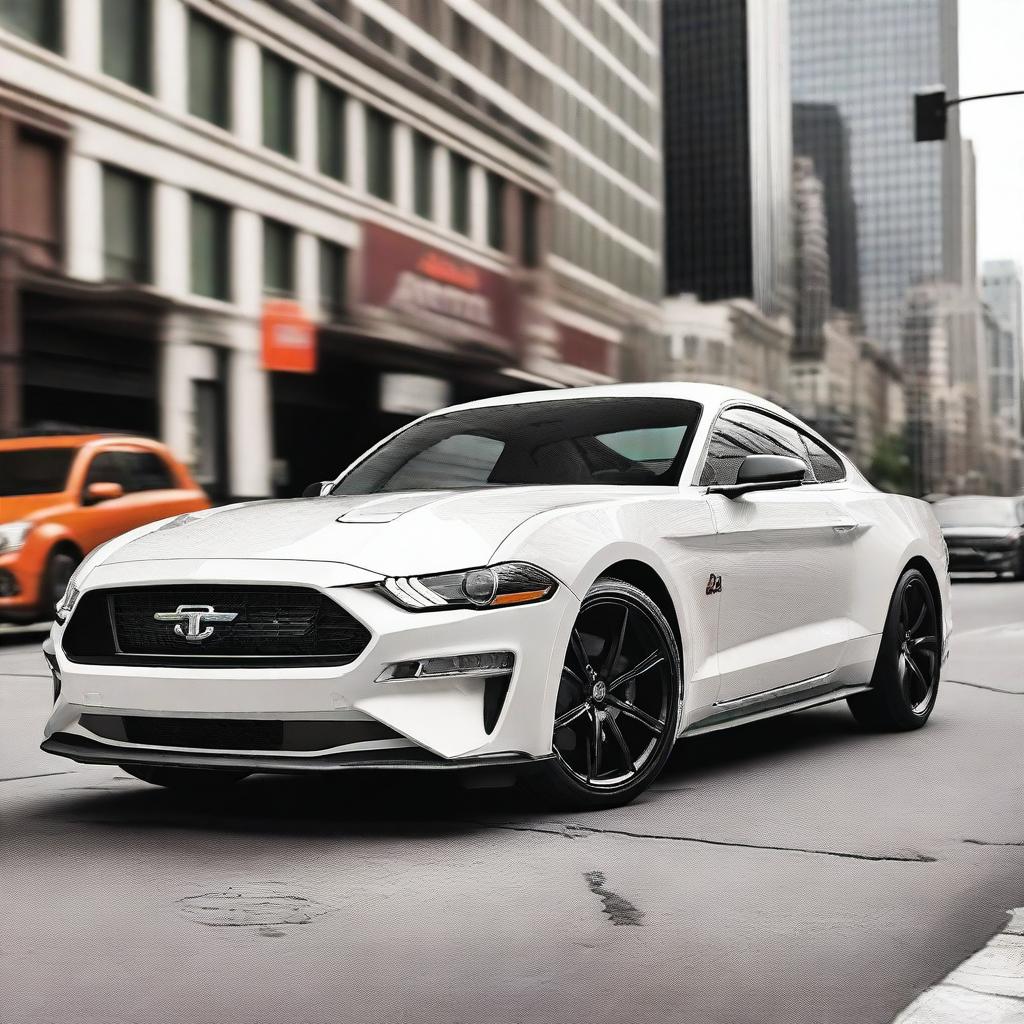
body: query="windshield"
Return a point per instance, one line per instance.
(980, 512)
(568, 441)
(34, 471)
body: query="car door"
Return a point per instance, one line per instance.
(785, 562)
(151, 491)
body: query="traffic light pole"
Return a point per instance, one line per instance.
(931, 105)
(983, 96)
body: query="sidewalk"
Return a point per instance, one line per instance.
(988, 988)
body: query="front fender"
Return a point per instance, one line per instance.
(672, 535)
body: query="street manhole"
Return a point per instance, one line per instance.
(252, 907)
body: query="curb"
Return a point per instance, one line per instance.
(987, 988)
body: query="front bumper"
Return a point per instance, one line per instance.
(19, 588)
(435, 722)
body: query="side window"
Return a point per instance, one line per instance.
(743, 432)
(463, 460)
(145, 471)
(106, 468)
(827, 468)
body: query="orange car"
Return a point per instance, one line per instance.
(62, 496)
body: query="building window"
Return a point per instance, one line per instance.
(209, 70)
(211, 248)
(126, 42)
(495, 211)
(278, 104)
(36, 216)
(278, 259)
(423, 175)
(333, 270)
(379, 134)
(126, 226)
(460, 193)
(35, 20)
(530, 211)
(331, 131)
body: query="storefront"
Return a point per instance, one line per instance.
(89, 361)
(426, 329)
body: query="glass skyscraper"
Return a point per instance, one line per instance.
(896, 213)
(727, 150)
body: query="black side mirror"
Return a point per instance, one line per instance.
(763, 473)
(313, 490)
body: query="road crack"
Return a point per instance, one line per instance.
(569, 832)
(982, 686)
(44, 775)
(990, 842)
(619, 910)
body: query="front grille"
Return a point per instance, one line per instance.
(271, 626)
(235, 734)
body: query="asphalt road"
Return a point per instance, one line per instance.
(795, 870)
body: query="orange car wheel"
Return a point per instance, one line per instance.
(59, 568)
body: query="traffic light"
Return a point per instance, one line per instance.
(930, 115)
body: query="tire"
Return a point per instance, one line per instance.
(618, 702)
(1018, 573)
(60, 565)
(905, 681)
(193, 780)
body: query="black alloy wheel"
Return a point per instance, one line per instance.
(618, 700)
(905, 683)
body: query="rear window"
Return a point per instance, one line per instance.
(34, 471)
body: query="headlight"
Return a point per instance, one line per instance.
(12, 535)
(490, 587)
(67, 603)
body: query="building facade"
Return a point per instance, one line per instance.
(270, 233)
(865, 60)
(1001, 293)
(728, 153)
(731, 342)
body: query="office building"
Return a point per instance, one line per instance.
(728, 154)
(270, 233)
(1001, 293)
(865, 60)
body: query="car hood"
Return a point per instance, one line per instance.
(29, 506)
(391, 534)
(979, 532)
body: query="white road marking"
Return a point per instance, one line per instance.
(987, 988)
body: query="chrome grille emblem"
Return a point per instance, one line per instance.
(192, 620)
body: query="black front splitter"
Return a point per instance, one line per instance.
(87, 751)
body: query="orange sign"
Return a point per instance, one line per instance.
(289, 338)
(449, 271)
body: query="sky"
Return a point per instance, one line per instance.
(992, 60)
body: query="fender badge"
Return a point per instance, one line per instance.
(714, 585)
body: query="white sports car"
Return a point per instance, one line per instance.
(553, 584)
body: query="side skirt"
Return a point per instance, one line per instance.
(725, 718)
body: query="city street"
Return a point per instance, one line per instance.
(798, 870)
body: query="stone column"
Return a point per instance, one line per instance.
(170, 43)
(84, 217)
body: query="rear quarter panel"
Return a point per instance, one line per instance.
(895, 530)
